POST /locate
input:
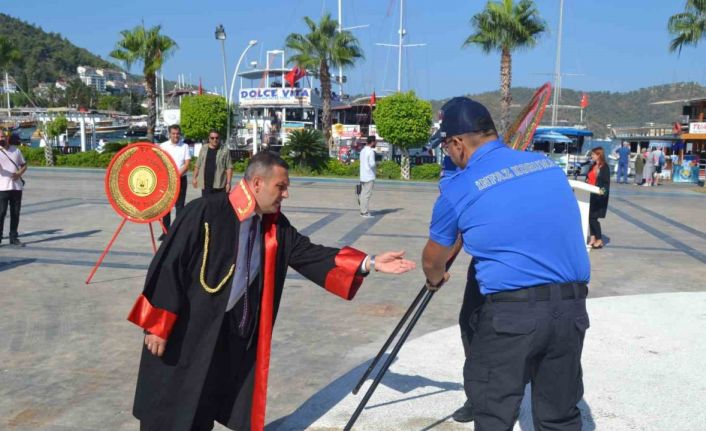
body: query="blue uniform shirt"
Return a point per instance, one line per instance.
(448, 169)
(518, 217)
(624, 155)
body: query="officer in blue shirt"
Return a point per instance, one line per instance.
(623, 162)
(517, 216)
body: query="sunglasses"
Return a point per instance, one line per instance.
(213, 137)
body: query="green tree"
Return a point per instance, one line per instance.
(320, 49)
(306, 149)
(79, 95)
(403, 120)
(200, 114)
(9, 55)
(152, 49)
(109, 103)
(54, 128)
(506, 27)
(687, 27)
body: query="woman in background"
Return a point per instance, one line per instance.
(639, 167)
(599, 176)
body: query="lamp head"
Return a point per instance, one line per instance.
(220, 32)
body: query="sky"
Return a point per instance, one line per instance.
(607, 45)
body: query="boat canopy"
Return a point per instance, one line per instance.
(566, 131)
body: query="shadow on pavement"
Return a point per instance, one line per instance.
(67, 236)
(5, 265)
(327, 398)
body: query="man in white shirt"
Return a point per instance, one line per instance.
(179, 152)
(367, 176)
(12, 166)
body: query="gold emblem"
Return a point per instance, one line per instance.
(142, 181)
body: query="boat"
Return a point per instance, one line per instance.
(564, 145)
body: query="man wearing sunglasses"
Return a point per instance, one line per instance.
(213, 170)
(517, 216)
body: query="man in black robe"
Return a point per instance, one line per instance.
(211, 297)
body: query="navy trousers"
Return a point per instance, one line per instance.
(529, 338)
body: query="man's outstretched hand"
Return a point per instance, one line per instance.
(393, 262)
(155, 344)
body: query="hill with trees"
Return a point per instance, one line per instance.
(631, 108)
(46, 56)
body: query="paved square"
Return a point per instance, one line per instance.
(68, 357)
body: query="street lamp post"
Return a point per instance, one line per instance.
(229, 100)
(221, 35)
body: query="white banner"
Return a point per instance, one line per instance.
(274, 96)
(699, 128)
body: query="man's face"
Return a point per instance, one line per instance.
(452, 147)
(213, 139)
(271, 191)
(174, 135)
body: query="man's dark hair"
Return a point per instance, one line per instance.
(15, 140)
(262, 164)
(371, 139)
(214, 131)
(174, 126)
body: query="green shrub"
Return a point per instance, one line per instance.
(114, 147)
(240, 166)
(388, 170)
(337, 168)
(33, 156)
(426, 171)
(305, 151)
(88, 159)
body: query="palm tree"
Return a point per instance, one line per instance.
(152, 49)
(9, 55)
(505, 26)
(324, 46)
(687, 27)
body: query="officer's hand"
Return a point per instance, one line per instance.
(155, 344)
(195, 183)
(393, 262)
(434, 285)
(228, 188)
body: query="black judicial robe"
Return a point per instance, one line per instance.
(184, 300)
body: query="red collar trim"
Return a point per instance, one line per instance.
(242, 200)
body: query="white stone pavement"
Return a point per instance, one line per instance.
(642, 371)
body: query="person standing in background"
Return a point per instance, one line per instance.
(639, 167)
(623, 161)
(367, 176)
(179, 152)
(12, 166)
(213, 170)
(599, 176)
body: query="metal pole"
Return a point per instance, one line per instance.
(389, 340)
(7, 93)
(399, 49)
(340, 30)
(557, 66)
(225, 96)
(389, 360)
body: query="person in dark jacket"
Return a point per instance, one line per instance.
(599, 176)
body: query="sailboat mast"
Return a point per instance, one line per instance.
(340, 30)
(399, 49)
(7, 93)
(557, 66)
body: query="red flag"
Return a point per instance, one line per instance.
(200, 87)
(373, 99)
(295, 75)
(584, 101)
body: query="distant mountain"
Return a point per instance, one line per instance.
(632, 108)
(46, 56)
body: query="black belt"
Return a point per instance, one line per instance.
(574, 290)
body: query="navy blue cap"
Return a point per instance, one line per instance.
(461, 115)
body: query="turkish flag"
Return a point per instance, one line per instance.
(295, 75)
(200, 87)
(373, 99)
(584, 101)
